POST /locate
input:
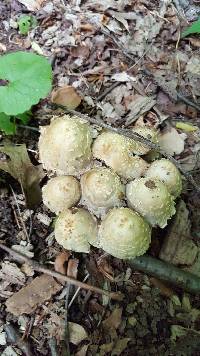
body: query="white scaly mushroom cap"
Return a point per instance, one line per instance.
(151, 198)
(65, 145)
(61, 193)
(167, 172)
(116, 151)
(101, 190)
(124, 233)
(75, 229)
(147, 132)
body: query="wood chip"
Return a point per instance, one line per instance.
(28, 298)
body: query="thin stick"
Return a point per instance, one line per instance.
(77, 291)
(39, 268)
(137, 137)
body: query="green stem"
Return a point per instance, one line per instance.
(167, 272)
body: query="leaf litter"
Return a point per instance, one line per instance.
(95, 45)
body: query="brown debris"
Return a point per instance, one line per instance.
(37, 292)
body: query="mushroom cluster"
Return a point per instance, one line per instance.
(104, 192)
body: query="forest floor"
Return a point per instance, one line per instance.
(128, 64)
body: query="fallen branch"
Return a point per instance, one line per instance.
(39, 268)
(137, 137)
(167, 272)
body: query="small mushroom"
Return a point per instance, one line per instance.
(147, 132)
(124, 233)
(65, 145)
(116, 151)
(101, 190)
(61, 193)
(151, 198)
(167, 172)
(76, 229)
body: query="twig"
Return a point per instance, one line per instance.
(77, 291)
(167, 272)
(20, 216)
(66, 332)
(107, 91)
(137, 137)
(52, 346)
(39, 268)
(14, 338)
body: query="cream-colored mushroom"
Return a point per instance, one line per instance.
(65, 145)
(167, 172)
(124, 233)
(61, 192)
(101, 189)
(147, 132)
(116, 151)
(75, 229)
(151, 198)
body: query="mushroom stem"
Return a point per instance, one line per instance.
(39, 268)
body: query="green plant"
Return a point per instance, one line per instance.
(194, 28)
(26, 23)
(25, 78)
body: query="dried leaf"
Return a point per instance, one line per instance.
(138, 106)
(20, 167)
(28, 298)
(178, 248)
(66, 96)
(60, 262)
(186, 127)
(82, 351)
(76, 333)
(72, 268)
(171, 141)
(32, 5)
(12, 273)
(120, 346)
(114, 320)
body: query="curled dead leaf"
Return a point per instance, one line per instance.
(66, 96)
(61, 261)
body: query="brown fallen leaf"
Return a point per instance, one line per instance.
(37, 292)
(11, 273)
(114, 320)
(32, 5)
(72, 268)
(61, 261)
(66, 96)
(19, 166)
(164, 290)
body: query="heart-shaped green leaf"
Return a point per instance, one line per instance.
(25, 78)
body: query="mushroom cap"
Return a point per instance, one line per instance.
(151, 198)
(147, 132)
(124, 233)
(101, 190)
(65, 145)
(166, 171)
(75, 229)
(116, 151)
(61, 193)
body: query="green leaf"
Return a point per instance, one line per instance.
(194, 28)
(6, 125)
(19, 166)
(24, 24)
(25, 117)
(28, 79)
